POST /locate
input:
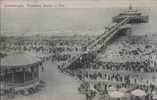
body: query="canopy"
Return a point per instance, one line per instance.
(19, 59)
(116, 94)
(138, 92)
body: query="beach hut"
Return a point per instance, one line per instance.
(20, 71)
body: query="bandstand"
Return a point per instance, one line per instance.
(19, 73)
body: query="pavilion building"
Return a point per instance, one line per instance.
(19, 71)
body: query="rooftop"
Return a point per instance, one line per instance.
(18, 59)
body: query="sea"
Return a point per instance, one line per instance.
(68, 21)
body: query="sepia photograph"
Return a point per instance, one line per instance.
(78, 50)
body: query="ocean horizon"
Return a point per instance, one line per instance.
(68, 21)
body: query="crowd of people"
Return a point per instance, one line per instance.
(108, 73)
(102, 88)
(126, 66)
(103, 74)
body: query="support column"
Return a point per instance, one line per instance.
(32, 72)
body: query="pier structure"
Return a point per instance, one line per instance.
(122, 23)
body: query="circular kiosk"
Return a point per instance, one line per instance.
(19, 73)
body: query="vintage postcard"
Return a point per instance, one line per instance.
(78, 49)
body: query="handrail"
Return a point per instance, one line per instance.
(111, 31)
